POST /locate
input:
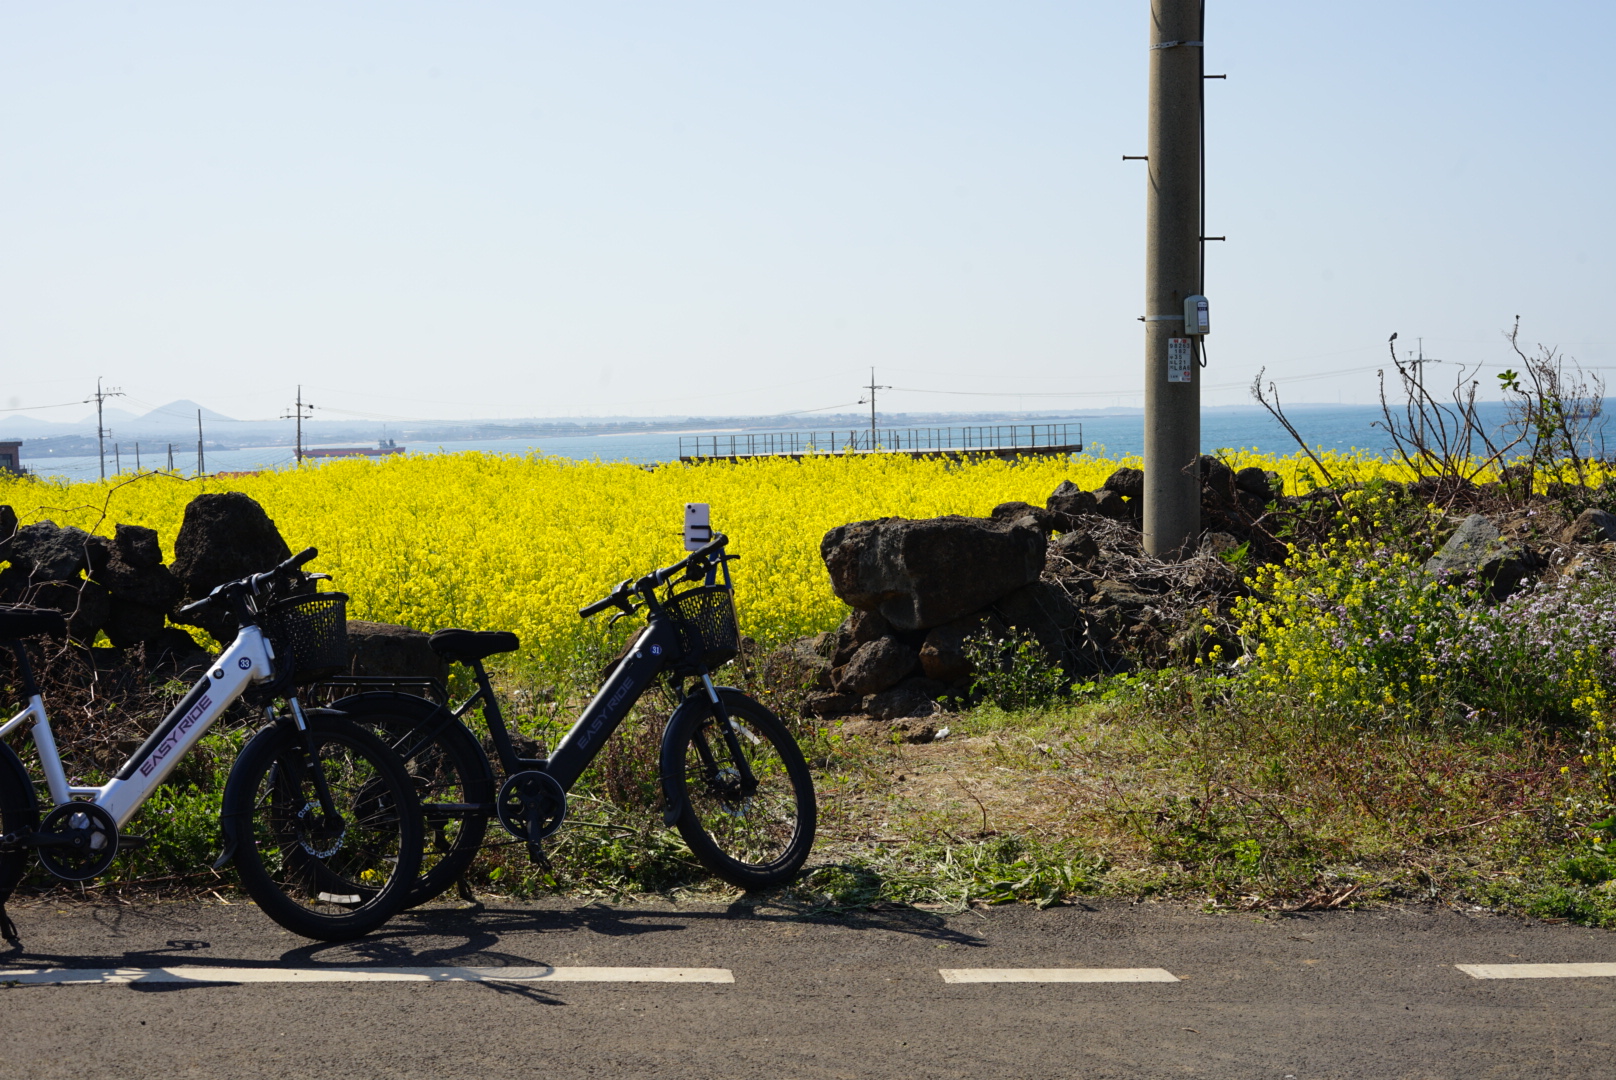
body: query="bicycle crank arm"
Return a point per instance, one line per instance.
(20, 841)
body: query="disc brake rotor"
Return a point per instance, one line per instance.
(313, 835)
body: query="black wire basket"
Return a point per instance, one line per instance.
(310, 635)
(708, 633)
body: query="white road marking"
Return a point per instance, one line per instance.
(1538, 971)
(200, 974)
(1050, 975)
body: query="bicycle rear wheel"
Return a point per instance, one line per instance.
(754, 836)
(321, 878)
(451, 776)
(19, 813)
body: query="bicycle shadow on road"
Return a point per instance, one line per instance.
(472, 936)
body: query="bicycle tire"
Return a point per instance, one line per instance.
(757, 840)
(451, 775)
(320, 884)
(19, 813)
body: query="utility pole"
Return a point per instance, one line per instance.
(1172, 274)
(872, 388)
(137, 459)
(117, 460)
(101, 432)
(297, 414)
(170, 457)
(201, 464)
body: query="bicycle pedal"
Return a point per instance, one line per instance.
(537, 857)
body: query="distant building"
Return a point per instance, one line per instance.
(11, 457)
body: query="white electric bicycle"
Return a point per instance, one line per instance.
(320, 817)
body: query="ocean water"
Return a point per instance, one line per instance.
(1333, 427)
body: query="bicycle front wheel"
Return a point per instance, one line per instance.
(320, 876)
(750, 819)
(19, 813)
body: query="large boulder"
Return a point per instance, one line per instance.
(142, 590)
(1035, 516)
(1477, 549)
(83, 602)
(1073, 549)
(1591, 526)
(44, 552)
(47, 568)
(1127, 482)
(876, 666)
(224, 536)
(944, 656)
(1257, 483)
(912, 697)
(1109, 504)
(923, 573)
(137, 546)
(382, 649)
(859, 628)
(1067, 504)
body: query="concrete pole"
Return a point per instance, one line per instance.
(100, 430)
(1172, 272)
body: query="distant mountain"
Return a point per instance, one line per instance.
(183, 409)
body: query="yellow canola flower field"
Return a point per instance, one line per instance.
(491, 541)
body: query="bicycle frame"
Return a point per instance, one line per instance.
(248, 660)
(606, 711)
(657, 641)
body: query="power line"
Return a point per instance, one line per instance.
(34, 408)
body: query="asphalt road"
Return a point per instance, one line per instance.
(1342, 994)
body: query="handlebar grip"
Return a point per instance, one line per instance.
(195, 606)
(597, 607)
(299, 559)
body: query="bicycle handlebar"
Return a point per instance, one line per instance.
(615, 599)
(252, 581)
(619, 596)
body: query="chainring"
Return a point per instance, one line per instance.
(529, 796)
(95, 841)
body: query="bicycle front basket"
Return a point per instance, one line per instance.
(310, 635)
(707, 629)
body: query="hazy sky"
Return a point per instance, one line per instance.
(519, 209)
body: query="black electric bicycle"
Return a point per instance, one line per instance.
(318, 814)
(734, 781)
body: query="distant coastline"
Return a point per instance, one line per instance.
(1115, 432)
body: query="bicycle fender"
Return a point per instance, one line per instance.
(372, 701)
(671, 762)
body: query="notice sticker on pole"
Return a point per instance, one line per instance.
(1180, 360)
(698, 525)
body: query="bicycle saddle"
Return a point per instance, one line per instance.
(21, 622)
(464, 646)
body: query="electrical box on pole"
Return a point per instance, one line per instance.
(1175, 312)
